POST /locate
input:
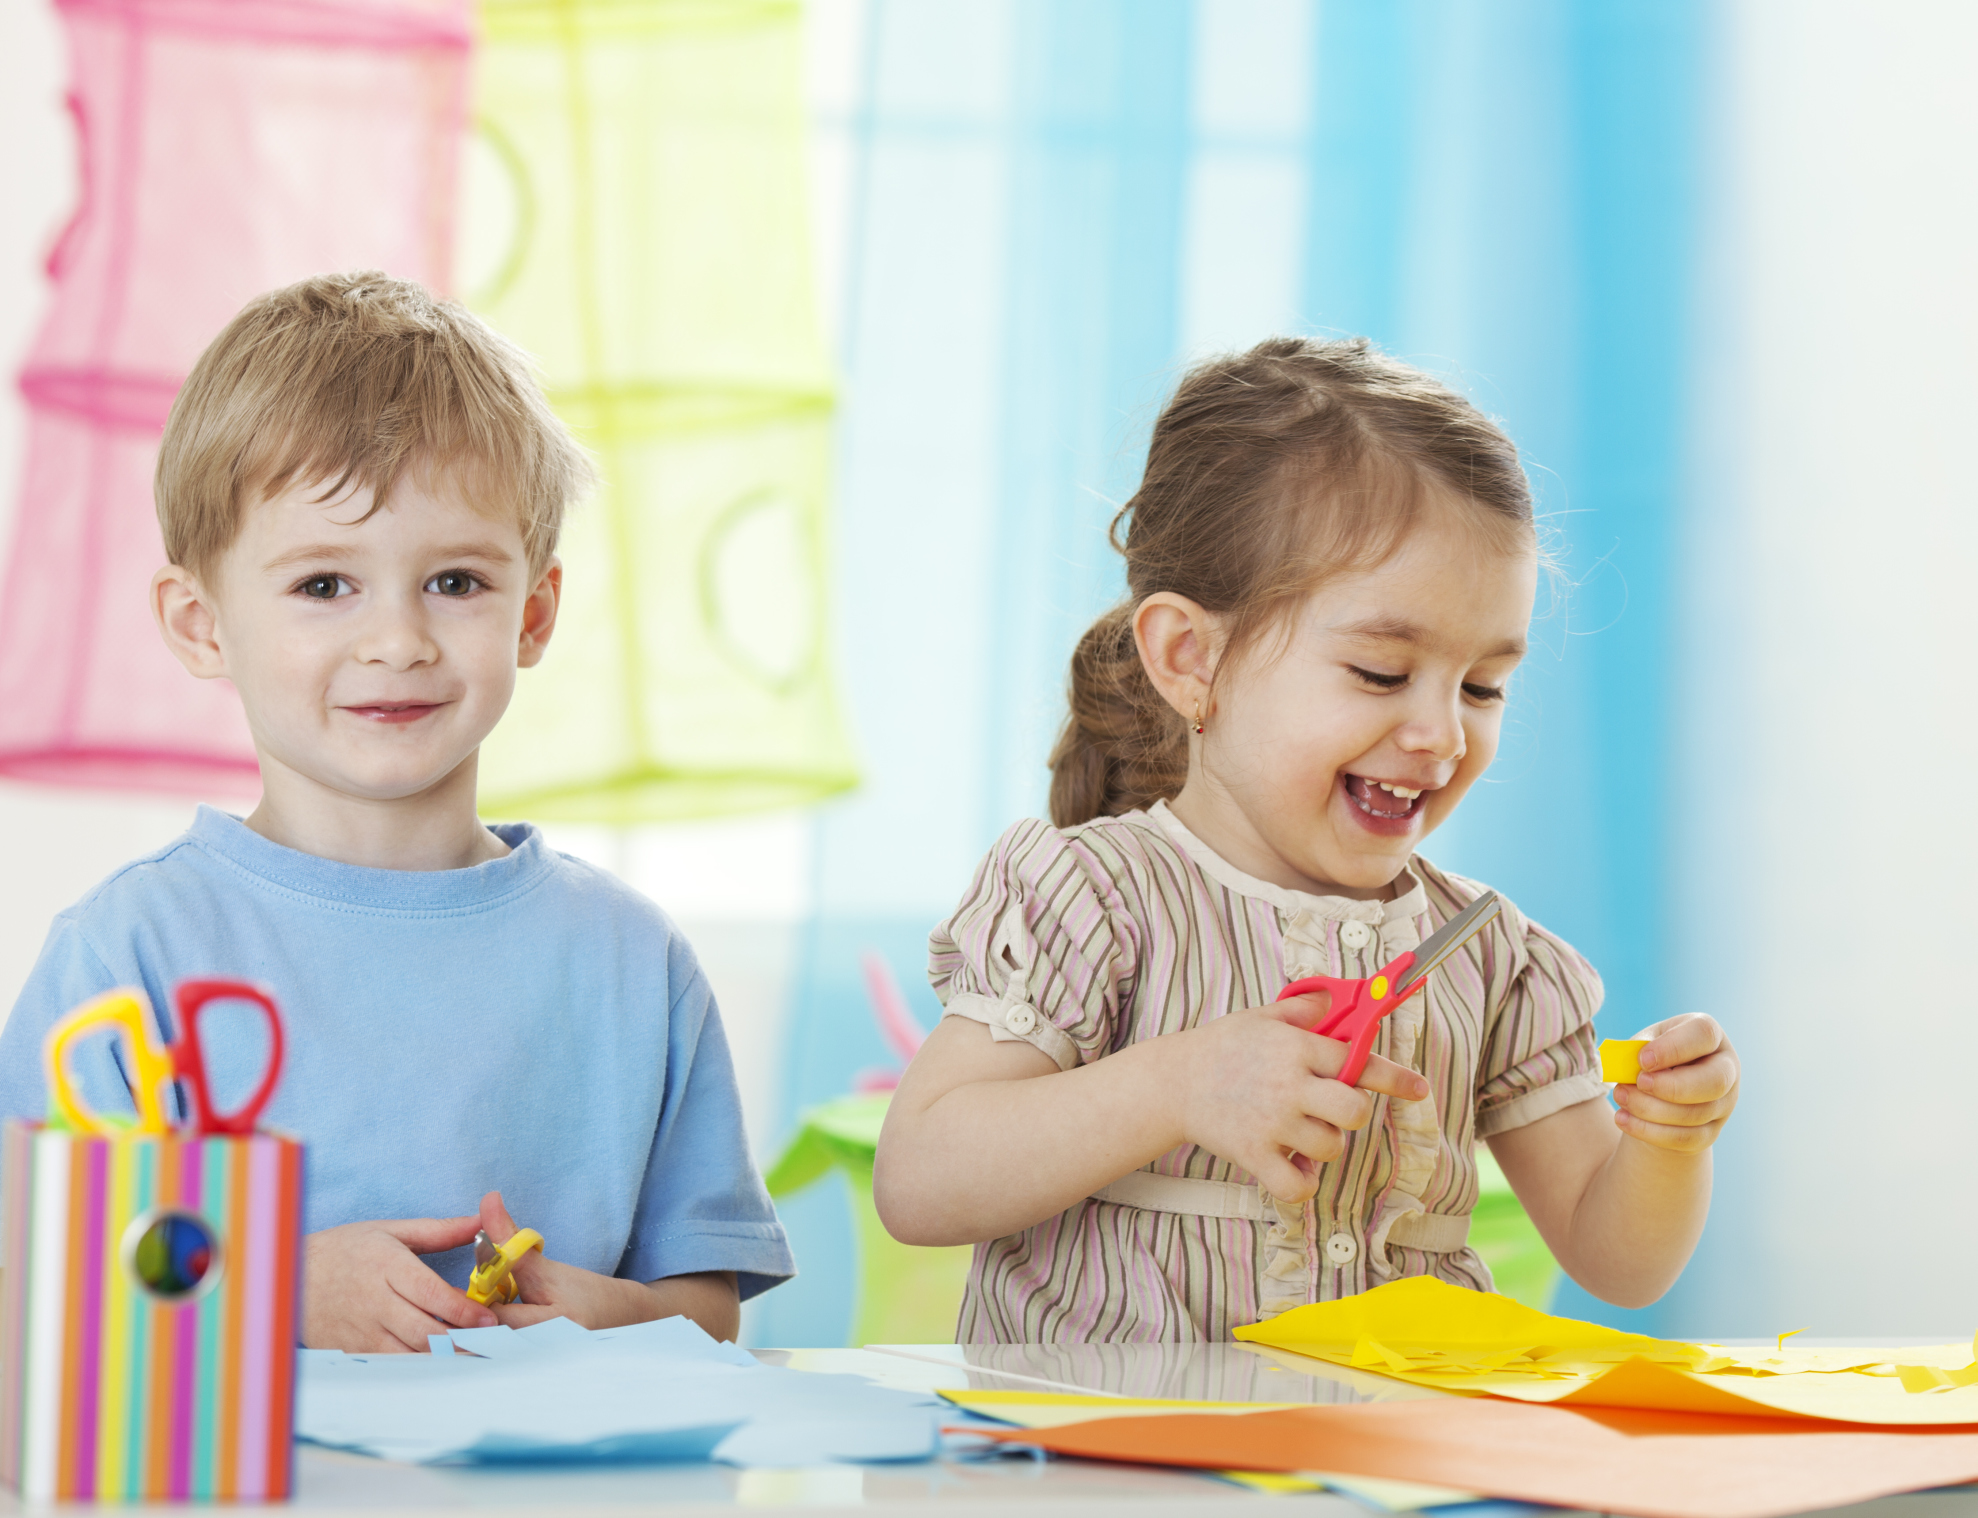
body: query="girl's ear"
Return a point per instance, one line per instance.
(1179, 641)
(186, 620)
(539, 615)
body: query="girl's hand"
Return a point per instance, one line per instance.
(1260, 1091)
(1688, 1086)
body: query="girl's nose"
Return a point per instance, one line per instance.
(1436, 730)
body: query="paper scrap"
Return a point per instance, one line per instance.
(557, 1393)
(1646, 1464)
(1428, 1333)
(1620, 1060)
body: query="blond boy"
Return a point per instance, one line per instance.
(360, 489)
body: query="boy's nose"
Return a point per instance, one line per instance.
(397, 638)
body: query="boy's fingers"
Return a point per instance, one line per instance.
(495, 1221)
(429, 1294)
(1282, 1179)
(523, 1314)
(432, 1235)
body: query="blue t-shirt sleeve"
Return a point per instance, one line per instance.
(702, 1205)
(68, 973)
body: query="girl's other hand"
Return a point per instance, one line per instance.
(1688, 1086)
(1262, 1092)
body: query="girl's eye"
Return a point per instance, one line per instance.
(1378, 681)
(1484, 692)
(323, 587)
(453, 582)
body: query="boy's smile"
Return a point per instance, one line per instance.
(373, 653)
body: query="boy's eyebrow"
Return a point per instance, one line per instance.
(487, 549)
(1389, 629)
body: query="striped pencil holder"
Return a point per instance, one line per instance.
(148, 1316)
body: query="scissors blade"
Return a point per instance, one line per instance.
(1451, 936)
(485, 1254)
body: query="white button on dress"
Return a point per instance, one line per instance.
(1355, 935)
(1020, 1020)
(1341, 1248)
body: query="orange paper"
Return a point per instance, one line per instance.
(1645, 1463)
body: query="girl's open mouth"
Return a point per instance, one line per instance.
(1383, 800)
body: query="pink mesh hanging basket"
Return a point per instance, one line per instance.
(227, 147)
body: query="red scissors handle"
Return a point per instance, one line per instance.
(1357, 1008)
(189, 1059)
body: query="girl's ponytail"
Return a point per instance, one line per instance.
(1268, 472)
(1122, 747)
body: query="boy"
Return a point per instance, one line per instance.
(360, 489)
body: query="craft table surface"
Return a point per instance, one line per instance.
(330, 1482)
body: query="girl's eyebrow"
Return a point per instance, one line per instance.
(1391, 629)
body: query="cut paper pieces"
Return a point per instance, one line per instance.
(558, 1394)
(1429, 1333)
(1620, 1060)
(1627, 1461)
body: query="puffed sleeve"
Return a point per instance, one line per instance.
(1040, 947)
(1539, 1053)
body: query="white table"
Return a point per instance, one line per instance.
(330, 1482)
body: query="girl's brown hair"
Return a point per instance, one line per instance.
(1269, 472)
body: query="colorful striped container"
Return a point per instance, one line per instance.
(111, 1390)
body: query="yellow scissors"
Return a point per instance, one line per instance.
(493, 1279)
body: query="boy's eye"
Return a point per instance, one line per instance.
(323, 587)
(1484, 692)
(1377, 680)
(453, 582)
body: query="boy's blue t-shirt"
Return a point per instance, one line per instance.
(530, 1025)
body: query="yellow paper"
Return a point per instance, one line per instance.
(1428, 1333)
(1620, 1060)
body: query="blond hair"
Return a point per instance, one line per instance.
(1269, 472)
(349, 380)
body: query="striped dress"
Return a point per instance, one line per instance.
(1082, 940)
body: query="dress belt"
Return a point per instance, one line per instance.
(1433, 1232)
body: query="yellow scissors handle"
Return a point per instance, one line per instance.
(495, 1281)
(125, 1010)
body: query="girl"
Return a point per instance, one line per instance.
(1330, 563)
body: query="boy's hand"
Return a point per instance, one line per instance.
(553, 1289)
(1688, 1086)
(365, 1291)
(1261, 1092)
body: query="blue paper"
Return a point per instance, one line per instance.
(557, 1393)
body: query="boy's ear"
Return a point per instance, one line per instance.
(184, 610)
(1179, 640)
(539, 615)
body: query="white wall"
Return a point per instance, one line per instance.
(1829, 824)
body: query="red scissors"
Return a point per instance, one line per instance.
(1359, 1005)
(127, 1012)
